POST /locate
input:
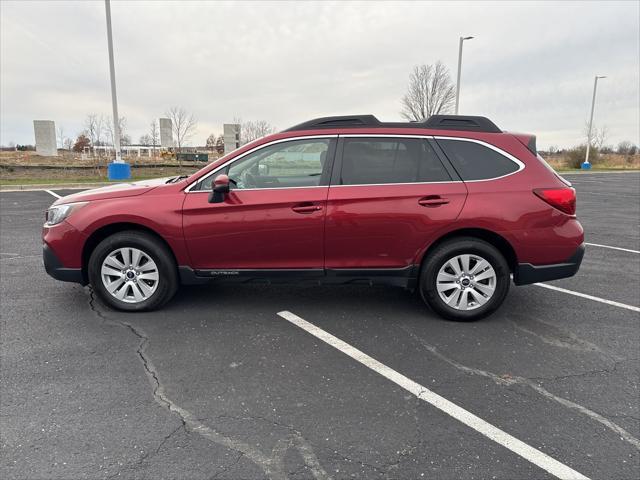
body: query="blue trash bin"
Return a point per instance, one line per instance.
(119, 171)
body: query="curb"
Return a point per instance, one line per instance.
(595, 172)
(53, 186)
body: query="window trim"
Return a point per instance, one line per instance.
(336, 161)
(190, 188)
(521, 165)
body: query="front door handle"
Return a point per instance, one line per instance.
(306, 207)
(433, 201)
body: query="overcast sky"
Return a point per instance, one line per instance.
(530, 67)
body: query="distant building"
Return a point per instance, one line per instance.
(231, 135)
(166, 133)
(45, 133)
(127, 150)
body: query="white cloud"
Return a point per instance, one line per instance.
(530, 67)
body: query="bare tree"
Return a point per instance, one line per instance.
(68, 143)
(430, 92)
(624, 147)
(183, 125)
(252, 130)
(220, 144)
(154, 133)
(61, 136)
(598, 135)
(94, 126)
(145, 140)
(211, 141)
(122, 125)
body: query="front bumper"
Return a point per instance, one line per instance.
(54, 268)
(525, 273)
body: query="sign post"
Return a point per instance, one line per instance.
(118, 169)
(587, 165)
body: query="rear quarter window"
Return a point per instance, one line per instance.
(474, 161)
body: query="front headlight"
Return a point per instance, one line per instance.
(57, 214)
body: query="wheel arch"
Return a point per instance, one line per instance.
(106, 231)
(497, 240)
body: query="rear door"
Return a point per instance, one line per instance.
(389, 197)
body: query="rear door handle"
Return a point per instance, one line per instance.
(433, 201)
(306, 207)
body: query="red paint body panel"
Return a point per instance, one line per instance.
(256, 229)
(538, 233)
(66, 241)
(384, 225)
(158, 208)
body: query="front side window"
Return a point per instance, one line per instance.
(297, 163)
(474, 161)
(390, 160)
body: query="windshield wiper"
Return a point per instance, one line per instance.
(176, 179)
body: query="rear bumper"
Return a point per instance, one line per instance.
(525, 273)
(54, 268)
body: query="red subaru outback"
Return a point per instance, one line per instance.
(452, 206)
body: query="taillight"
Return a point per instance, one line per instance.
(564, 199)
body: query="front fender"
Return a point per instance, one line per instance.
(161, 214)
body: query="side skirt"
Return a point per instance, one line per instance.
(401, 277)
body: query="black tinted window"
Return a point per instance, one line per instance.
(476, 162)
(390, 160)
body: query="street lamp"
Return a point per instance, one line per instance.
(462, 39)
(586, 165)
(117, 170)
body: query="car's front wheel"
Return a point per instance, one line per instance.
(464, 279)
(133, 271)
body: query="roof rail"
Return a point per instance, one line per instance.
(337, 122)
(436, 122)
(461, 122)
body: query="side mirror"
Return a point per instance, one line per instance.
(219, 189)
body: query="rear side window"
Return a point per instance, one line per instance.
(390, 160)
(474, 161)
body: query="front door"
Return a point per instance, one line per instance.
(273, 217)
(389, 198)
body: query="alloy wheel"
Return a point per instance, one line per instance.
(129, 275)
(466, 282)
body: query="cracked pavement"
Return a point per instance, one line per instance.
(216, 386)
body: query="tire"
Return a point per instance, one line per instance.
(443, 277)
(145, 280)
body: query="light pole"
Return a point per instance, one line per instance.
(462, 39)
(586, 165)
(118, 170)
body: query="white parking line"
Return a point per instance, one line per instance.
(590, 297)
(518, 447)
(53, 193)
(613, 248)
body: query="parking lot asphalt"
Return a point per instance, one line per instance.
(217, 385)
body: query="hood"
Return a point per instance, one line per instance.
(117, 190)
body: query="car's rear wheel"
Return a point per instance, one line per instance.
(464, 279)
(133, 271)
